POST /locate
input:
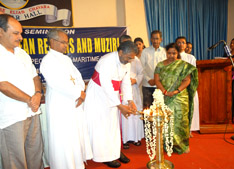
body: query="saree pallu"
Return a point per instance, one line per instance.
(171, 77)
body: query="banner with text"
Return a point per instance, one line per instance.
(48, 13)
(86, 45)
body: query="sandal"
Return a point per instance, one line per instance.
(137, 143)
(126, 146)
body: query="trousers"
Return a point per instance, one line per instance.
(21, 145)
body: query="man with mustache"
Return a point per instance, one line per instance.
(20, 94)
(109, 92)
(150, 57)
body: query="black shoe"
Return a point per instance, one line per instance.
(232, 137)
(126, 146)
(113, 164)
(137, 143)
(123, 158)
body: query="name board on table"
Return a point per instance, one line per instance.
(86, 45)
(48, 13)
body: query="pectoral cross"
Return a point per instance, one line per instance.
(72, 79)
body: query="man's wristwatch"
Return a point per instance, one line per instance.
(37, 92)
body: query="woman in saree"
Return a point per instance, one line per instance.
(178, 82)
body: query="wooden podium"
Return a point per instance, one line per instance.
(215, 95)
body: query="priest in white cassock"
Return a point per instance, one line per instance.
(67, 133)
(132, 128)
(111, 79)
(181, 42)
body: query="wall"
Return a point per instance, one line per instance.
(130, 13)
(94, 13)
(136, 19)
(230, 31)
(105, 13)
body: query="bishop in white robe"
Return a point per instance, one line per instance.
(102, 104)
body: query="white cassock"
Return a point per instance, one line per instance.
(132, 128)
(195, 125)
(67, 133)
(101, 106)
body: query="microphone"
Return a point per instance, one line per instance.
(215, 45)
(227, 50)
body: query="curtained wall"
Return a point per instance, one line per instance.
(202, 22)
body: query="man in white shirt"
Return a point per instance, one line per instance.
(68, 136)
(20, 95)
(150, 57)
(181, 42)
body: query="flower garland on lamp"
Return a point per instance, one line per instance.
(150, 140)
(157, 119)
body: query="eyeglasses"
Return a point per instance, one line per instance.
(63, 42)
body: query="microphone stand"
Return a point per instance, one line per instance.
(227, 50)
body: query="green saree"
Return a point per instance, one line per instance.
(181, 104)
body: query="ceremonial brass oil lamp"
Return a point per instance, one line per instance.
(159, 162)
